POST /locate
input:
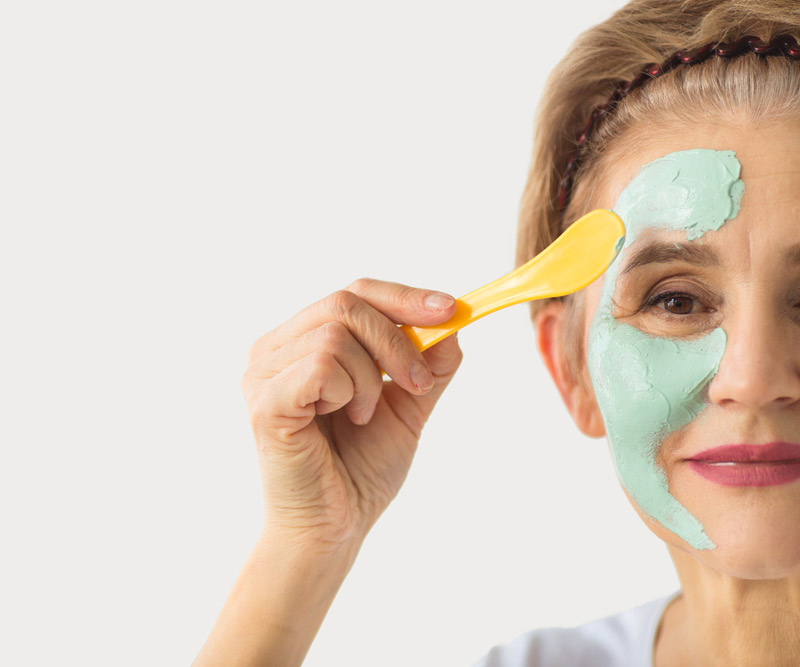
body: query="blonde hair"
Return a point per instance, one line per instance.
(615, 51)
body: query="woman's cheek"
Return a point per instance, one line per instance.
(649, 386)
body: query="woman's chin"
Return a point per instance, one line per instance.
(756, 535)
(747, 558)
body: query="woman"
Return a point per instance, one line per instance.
(685, 354)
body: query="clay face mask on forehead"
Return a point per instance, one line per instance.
(648, 386)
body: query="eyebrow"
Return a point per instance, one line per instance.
(660, 252)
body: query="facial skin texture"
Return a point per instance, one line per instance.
(648, 386)
(753, 295)
(741, 599)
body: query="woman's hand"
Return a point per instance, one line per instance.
(335, 443)
(334, 440)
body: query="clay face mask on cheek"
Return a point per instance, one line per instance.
(647, 386)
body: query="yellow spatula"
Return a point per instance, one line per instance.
(576, 258)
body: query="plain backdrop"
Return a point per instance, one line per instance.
(179, 178)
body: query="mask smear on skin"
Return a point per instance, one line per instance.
(648, 386)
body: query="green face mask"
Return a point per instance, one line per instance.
(647, 386)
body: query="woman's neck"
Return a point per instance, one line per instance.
(727, 621)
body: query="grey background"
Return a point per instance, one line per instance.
(179, 178)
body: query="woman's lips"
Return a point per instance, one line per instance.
(749, 465)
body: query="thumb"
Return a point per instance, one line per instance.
(444, 358)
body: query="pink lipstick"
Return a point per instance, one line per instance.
(749, 465)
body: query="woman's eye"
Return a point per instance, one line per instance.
(675, 311)
(675, 303)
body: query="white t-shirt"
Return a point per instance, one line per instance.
(622, 640)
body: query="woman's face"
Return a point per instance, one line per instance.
(693, 340)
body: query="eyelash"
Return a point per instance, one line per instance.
(663, 296)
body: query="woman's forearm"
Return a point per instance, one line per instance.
(275, 608)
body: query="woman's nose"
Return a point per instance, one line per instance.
(760, 366)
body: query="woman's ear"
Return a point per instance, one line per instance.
(575, 388)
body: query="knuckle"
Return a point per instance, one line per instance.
(257, 390)
(260, 345)
(254, 351)
(334, 334)
(251, 386)
(406, 297)
(359, 285)
(260, 406)
(322, 366)
(397, 344)
(246, 383)
(342, 302)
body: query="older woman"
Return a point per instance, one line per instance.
(686, 354)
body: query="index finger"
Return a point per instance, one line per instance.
(400, 303)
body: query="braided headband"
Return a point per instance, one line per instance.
(785, 45)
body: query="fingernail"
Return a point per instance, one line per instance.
(420, 375)
(367, 414)
(438, 301)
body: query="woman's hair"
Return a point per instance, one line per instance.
(605, 57)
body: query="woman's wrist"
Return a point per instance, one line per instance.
(309, 566)
(277, 604)
(310, 547)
